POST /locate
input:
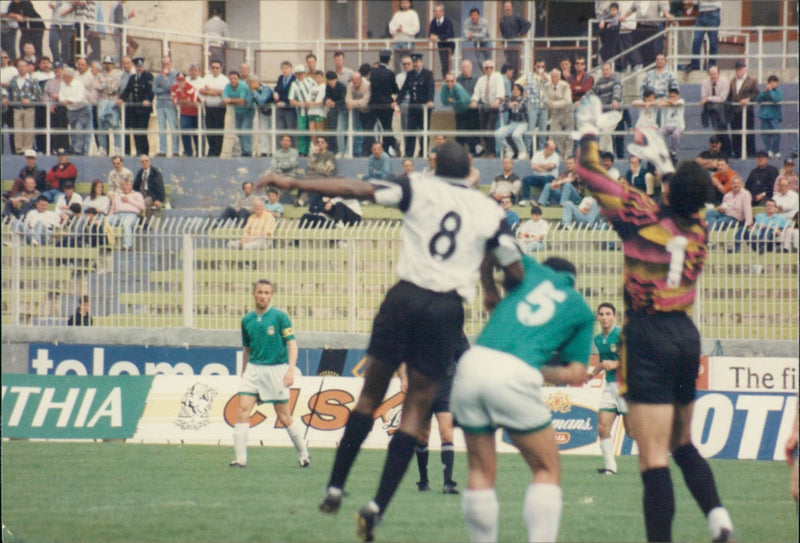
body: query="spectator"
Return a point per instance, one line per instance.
(272, 205)
(707, 19)
(383, 86)
(31, 27)
(506, 183)
(786, 200)
(761, 180)
(513, 27)
(88, 29)
(714, 93)
(559, 103)
(566, 187)
(708, 158)
(64, 171)
(286, 160)
(607, 159)
(659, 79)
(58, 113)
(322, 162)
(107, 86)
(648, 116)
(408, 166)
(744, 90)
(214, 85)
(473, 178)
(535, 83)
(23, 200)
(430, 169)
(580, 83)
(770, 114)
(516, 106)
(608, 29)
(786, 173)
(242, 206)
(150, 183)
(488, 95)
(286, 115)
(721, 180)
(165, 110)
(441, 33)
(625, 42)
(43, 74)
(565, 64)
(476, 30)
(343, 73)
(262, 102)
(511, 216)
(343, 212)
(533, 232)
(299, 95)
(735, 211)
(456, 96)
(673, 122)
(187, 98)
(39, 223)
(585, 214)
(121, 15)
(647, 26)
(97, 200)
(638, 177)
(545, 163)
(420, 87)
(379, 164)
(404, 26)
(125, 211)
(66, 200)
(608, 88)
(258, 230)
(23, 93)
(239, 95)
(61, 31)
(315, 105)
(766, 228)
(335, 102)
(357, 99)
(32, 169)
(81, 316)
(138, 94)
(116, 176)
(216, 28)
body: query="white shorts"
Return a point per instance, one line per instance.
(610, 400)
(265, 382)
(493, 389)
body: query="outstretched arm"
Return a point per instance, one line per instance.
(346, 188)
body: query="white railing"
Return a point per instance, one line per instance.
(181, 273)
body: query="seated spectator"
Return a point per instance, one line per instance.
(721, 179)
(735, 211)
(273, 206)
(507, 183)
(430, 169)
(766, 228)
(607, 159)
(66, 200)
(97, 198)
(39, 223)
(95, 231)
(585, 214)
(32, 169)
(24, 200)
(786, 173)
(343, 212)
(517, 107)
(408, 166)
(150, 183)
(286, 160)
(708, 158)
(242, 206)
(125, 211)
(258, 230)
(81, 316)
(648, 115)
(673, 122)
(379, 164)
(511, 216)
(116, 176)
(564, 188)
(533, 232)
(59, 174)
(761, 180)
(785, 200)
(473, 178)
(545, 163)
(321, 163)
(638, 177)
(72, 227)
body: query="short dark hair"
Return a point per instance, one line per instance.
(608, 305)
(506, 67)
(773, 77)
(338, 53)
(561, 265)
(689, 188)
(648, 92)
(365, 69)
(474, 10)
(41, 198)
(246, 183)
(768, 200)
(68, 185)
(85, 299)
(607, 155)
(272, 189)
(75, 208)
(536, 210)
(330, 75)
(452, 161)
(613, 5)
(761, 154)
(263, 282)
(311, 55)
(234, 72)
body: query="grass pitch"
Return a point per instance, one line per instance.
(114, 492)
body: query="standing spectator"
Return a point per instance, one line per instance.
(535, 85)
(88, 27)
(714, 93)
(97, 199)
(343, 73)
(707, 19)
(545, 163)
(506, 183)
(8, 30)
(659, 80)
(242, 206)
(559, 103)
(476, 30)
(673, 122)
(336, 119)
(647, 25)
(744, 90)
(186, 98)
(625, 42)
(125, 211)
(687, 11)
(116, 176)
(74, 97)
(218, 29)
(382, 86)
(41, 76)
(62, 29)
(299, 94)
(262, 102)
(488, 95)
(786, 200)
(58, 113)
(166, 112)
(23, 93)
(404, 26)
(81, 316)
(401, 76)
(722, 180)
(128, 70)
(357, 101)
(420, 87)
(211, 94)
(468, 81)
(239, 95)
(7, 72)
(770, 114)
(107, 86)
(513, 27)
(379, 164)
(138, 95)
(150, 183)
(31, 31)
(761, 180)
(581, 82)
(532, 233)
(608, 88)
(315, 105)
(516, 106)
(286, 115)
(441, 33)
(456, 96)
(121, 15)
(608, 28)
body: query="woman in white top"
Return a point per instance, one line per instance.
(97, 198)
(403, 27)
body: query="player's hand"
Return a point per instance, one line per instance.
(654, 151)
(790, 448)
(288, 379)
(490, 300)
(275, 180)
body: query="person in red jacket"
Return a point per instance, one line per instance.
(59, 174)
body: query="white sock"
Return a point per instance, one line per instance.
(481, 511)
(542, 511)
(240, 431)
(607, 448)
(718, 518)
(296, 435)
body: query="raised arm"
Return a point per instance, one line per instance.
(346, 188)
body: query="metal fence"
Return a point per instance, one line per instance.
(182, 273)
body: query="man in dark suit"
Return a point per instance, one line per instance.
(440, 33)
(382, 86)
(138, 94)
(285, 114)
(419, 86)
(150, 183)
(744, 90)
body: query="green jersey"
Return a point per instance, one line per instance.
(266, 336)
(541, 317)
(608, 349)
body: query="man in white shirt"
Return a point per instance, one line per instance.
(489, 93)
(785, 199)
(65, 200)
(39, 222)
(211, 95)
(545, 163)
(75, 98)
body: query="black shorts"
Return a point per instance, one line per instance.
(419, 327)
(660, 358)
(441, 402)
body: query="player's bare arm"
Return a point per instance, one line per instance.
(245, 358)
(346, 188)
(291, 346)
(574, 373)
